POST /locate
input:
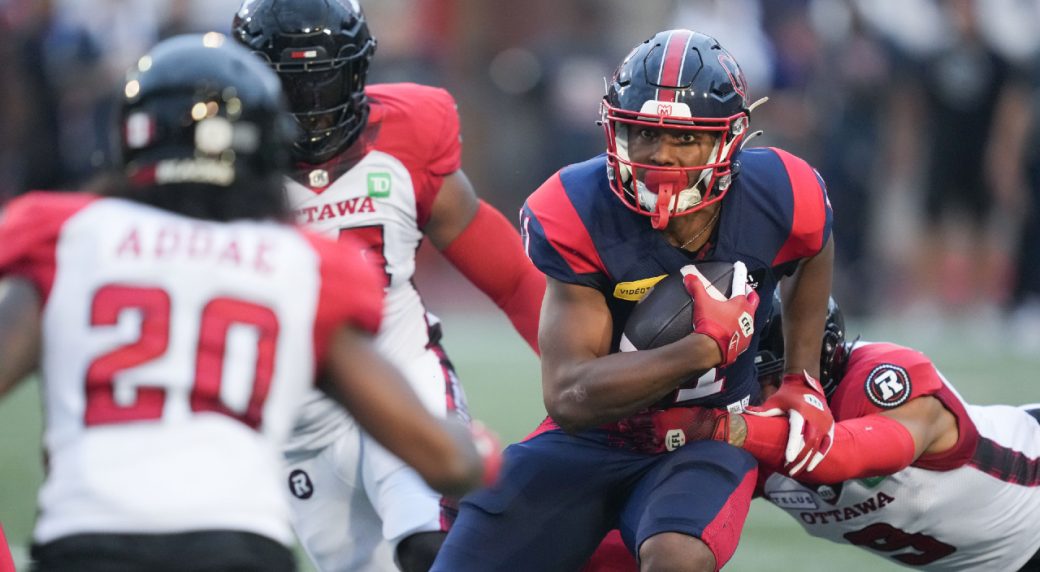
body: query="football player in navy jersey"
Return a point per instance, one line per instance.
(674, 187)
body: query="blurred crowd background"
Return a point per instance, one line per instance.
(919, 114)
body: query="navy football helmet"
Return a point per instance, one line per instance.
(682, 80)
(321, 50)
(199, 109)
(833, 351)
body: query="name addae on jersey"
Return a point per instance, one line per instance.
(168, 342)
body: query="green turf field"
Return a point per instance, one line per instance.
(502, 383)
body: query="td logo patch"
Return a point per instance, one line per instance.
(300, 485)
(379, 185)
(888, 386)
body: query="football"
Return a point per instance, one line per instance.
(665, 314)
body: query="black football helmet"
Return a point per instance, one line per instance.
(321, 50)
(200, 109)
(684, 80)
(769, 360)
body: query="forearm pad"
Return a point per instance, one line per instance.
(489, 254)
(863, 447)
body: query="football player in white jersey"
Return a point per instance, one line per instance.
(381, 163)
(178, 323)
(915, 475)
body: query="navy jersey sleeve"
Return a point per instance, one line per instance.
(556, 240)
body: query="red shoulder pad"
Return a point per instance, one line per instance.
(418, 125)
(811, 222)
(350, 293)
(29, 229)
(883, 376)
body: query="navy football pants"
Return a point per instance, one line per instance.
(559, 494)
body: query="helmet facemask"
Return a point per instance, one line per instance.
(326, 97)
(663, 192)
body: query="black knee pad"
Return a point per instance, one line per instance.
(417, 552)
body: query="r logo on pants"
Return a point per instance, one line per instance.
(300, 485)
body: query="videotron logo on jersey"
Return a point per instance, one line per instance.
(888, 386)
(379, 185)
(635, 290)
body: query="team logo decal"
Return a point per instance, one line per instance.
(318, 178)
(300, 485)
(379, 185)
(888, 386)
(735, 77)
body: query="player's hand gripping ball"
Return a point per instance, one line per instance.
(711, 298)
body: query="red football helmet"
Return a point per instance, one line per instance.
(678, 80)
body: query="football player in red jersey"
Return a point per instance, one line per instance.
(178, 323)
(674, 187)
(381, 163)
(915, 474)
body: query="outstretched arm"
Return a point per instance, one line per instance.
(486, 249)
(20, 316)
(376, 394)
(872, 445)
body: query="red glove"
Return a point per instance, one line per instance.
(729, 321)
(490, 451)
(812, 425)
(661, 430)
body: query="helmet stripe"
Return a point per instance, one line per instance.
(672, 63)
